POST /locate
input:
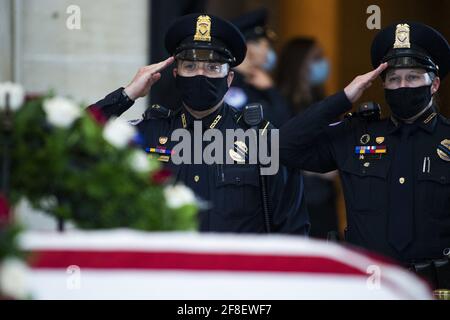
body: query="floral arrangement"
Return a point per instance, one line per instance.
(77, 165)
(13, 270)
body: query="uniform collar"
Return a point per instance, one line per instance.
(426, 122)
(211, 121)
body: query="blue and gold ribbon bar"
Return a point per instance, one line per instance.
(370, 149)
(158, 150)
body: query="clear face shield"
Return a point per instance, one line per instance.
(407, 77)
(195, 62)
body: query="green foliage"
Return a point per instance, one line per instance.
(8, 244)
(92, 181)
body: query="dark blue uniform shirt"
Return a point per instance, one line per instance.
(309, 142)
(233, 191)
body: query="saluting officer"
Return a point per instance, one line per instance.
(204, 48)
(395, 171)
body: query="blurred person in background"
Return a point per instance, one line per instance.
(252, 82)
(300, 76)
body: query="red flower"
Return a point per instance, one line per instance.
(4, 210)
(97, 114)
(161, 176)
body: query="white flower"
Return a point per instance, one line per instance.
(16, 95)
(61, 112)
(140, 162)
(13, 278)
(118, 133)
(178, 196)
(48, 203)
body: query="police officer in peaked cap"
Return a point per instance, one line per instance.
(205, 48)
(395, 171)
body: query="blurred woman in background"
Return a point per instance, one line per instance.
(300, 76)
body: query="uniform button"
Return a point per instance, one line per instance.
(402, 180)
(367, 164)
(238, 180)
(443, 179)
(196, 178)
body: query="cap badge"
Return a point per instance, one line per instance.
(203, 31)
(402, 39)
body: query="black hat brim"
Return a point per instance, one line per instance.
(430, 41)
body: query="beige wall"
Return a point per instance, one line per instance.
(85, 64)
(6, 69)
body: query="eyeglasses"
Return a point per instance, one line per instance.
(210, 69)
(407, 79)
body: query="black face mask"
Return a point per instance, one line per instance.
(405, 103)
(200, 92)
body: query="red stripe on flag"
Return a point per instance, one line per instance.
(190, 261)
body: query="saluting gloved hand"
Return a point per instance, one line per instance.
(145, 78)
(357, 87)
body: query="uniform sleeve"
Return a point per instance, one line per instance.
(114, 104)
(280, 112)
(288, 205)
(307, 141)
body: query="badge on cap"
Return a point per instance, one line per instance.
(443, 150)
(203, 31)
(402, 37)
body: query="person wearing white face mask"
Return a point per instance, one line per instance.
(253, 82)
(300, 76)
(319, 71)
(301, 73)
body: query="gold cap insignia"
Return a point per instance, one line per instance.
(402, 39)
(379, 140)
(203, 31)
(443, 150)
(163, 140)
